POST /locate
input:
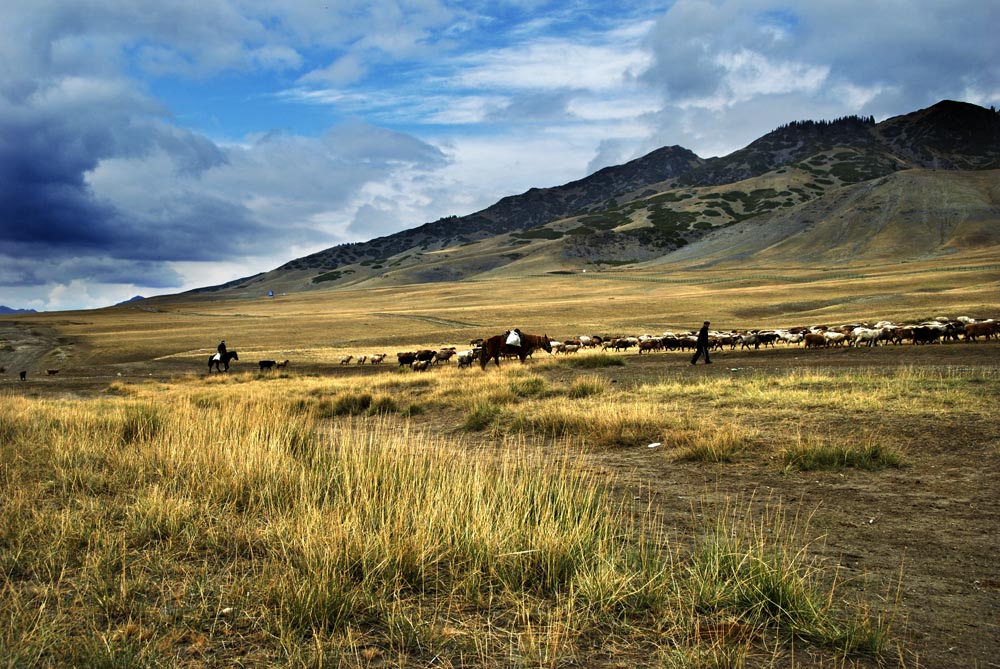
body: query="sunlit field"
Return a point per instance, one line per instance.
(782, 508)
(321, 326)
(309, 522)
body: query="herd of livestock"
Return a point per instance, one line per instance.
(937, 331)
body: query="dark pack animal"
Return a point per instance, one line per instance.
(221, 362)
(497, 346)
(267, 365)
(23, 375)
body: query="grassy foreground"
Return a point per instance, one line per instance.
(259, 521)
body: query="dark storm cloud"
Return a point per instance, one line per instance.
(20, 270)
(99, 185)
(52, 136)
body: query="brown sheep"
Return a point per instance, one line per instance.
(815, 340)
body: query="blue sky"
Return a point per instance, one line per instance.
(149, 148)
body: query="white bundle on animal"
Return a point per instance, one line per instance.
(513, 339)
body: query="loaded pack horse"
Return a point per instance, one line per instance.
(221, 361)
(496, 346)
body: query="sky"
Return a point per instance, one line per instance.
(149, 148)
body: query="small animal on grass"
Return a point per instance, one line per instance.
(221, 362)
(267, 365)
(23, 375)
(282, 365)
(51, 372)
(346, 359)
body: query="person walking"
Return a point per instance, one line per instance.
(701, 346)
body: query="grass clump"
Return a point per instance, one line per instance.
(711, 444)
(532, 386)
(596, 424)
(738, 572)
(811, 456)
(593, 361)
(587, 386)
(481, 415)
(349, 403)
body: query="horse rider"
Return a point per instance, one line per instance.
(222, 349)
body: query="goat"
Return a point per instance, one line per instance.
(651, 344)
(444, 355)
(466, 358)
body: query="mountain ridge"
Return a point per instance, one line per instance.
(654, 208)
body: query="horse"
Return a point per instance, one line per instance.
(496, 346)
(215, 360)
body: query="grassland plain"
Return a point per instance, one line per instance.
(804, 508)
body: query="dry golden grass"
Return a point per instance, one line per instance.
(230, 519)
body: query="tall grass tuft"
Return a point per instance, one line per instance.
(139, 422)
(709, 443)
(481, 415)
(593, 361)
(587, 386)
(531, 386)
(755, 570)
(808, 456)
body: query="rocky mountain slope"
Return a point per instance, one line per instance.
(848, 190)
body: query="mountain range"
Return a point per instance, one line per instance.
(839, 193)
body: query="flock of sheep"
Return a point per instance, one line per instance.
(851, 334)
(420, 360)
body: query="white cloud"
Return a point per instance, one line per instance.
(552, 64)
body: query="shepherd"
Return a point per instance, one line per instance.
(701, 347)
